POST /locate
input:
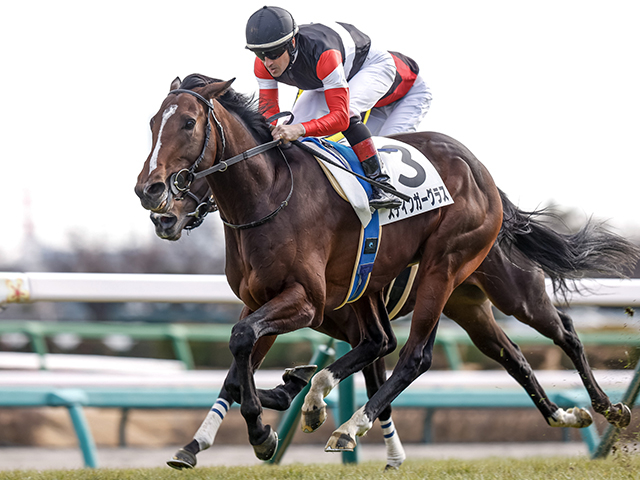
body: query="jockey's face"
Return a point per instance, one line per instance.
(278, 65)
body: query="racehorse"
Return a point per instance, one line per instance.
(289, 268)
(510, 280)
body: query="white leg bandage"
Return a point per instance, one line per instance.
(207, 431)
(395, 452)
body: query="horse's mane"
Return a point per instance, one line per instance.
(245, 106)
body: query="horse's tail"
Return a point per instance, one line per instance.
(592, 252)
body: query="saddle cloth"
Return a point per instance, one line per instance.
(411, 173)
(409, 170)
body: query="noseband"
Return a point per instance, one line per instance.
(180, 182)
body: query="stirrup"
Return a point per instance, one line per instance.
(381, 199)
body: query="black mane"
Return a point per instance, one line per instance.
(246, 107)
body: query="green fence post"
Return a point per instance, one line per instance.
(85, 439)
(38, 343)
(181, 347)
(451, 350)
(346, 401)
(73, 399)
(322, 357)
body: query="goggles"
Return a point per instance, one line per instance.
(273, 54)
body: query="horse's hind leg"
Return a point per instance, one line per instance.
(567, 339)
(519, 290)
(374, 376)
(522, 293)
(469, 307)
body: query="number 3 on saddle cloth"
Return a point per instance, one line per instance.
(410, 172)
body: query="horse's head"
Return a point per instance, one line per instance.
(185, 135)
(185, 214)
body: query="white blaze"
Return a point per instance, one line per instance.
(166, 115)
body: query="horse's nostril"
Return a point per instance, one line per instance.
(168, 221)
(155, 190)
(164, 221)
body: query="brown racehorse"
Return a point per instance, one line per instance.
(510, 280)
(291, 272)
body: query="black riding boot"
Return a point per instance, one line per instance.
(379, 198)
(359, 137)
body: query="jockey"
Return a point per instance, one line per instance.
(341, 74)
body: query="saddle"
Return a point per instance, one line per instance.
(410, 172)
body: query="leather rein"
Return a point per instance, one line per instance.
(180, 182)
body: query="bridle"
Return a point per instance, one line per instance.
(204, 207)
(180, 182)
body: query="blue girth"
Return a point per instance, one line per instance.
(369, 236)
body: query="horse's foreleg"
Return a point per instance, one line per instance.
(185, 457)
(373, 338)
(415, 359)
(204, 437)
(289, 311)
(295, 379)
(279, 398)
(374, 376)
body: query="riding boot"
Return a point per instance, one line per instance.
(373, 170)
(359, 137)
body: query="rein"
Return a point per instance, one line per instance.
(181, 181)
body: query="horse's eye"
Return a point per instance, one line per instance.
(190, 124)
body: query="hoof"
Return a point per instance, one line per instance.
(572, 418)
(391, 467)
(340, 442)
(302, 373)
(267, 449)
(583, 417)
(619, 415)
(182, 460)
(314, 419)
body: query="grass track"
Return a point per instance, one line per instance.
(618, 467)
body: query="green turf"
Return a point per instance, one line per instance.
(616, 467)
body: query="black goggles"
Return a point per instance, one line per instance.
(271, 54)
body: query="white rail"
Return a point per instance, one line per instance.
(113, 287)
(21, 287)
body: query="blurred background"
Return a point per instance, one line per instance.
(545, 94)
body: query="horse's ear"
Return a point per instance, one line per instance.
(176, 83)
(216, 89)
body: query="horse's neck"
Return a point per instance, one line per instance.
(243, 190)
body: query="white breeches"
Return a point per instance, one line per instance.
(403, 115)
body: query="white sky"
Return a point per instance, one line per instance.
(545, 93)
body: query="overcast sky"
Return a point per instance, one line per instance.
(545, 93)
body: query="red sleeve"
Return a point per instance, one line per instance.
(337, 120)
(336, 93)
(268, 99)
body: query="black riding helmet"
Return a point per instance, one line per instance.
(269, 32)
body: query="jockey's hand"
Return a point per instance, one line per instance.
(288, 133)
